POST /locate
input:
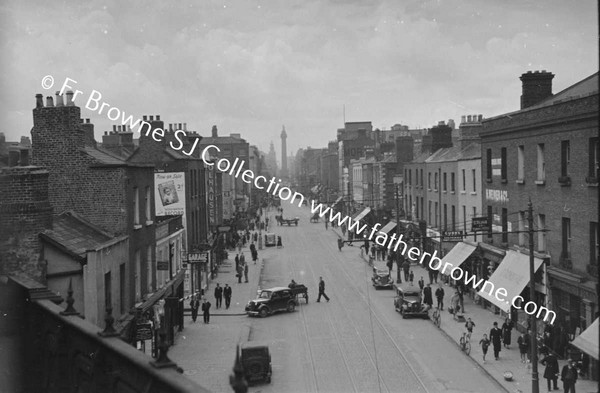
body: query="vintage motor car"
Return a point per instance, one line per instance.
(270, 240)
(256, 361)
(408, 303)
(270, 301)
(382, 279)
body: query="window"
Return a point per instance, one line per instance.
(410, 177)
(445, 182)
(566, 237)
(107, 290)
(541, 163)
(452, 178)
(429, 212)
(488, 161)
(436, 181)
(149, 264)
(490, 214)
(136, 206)
(594, 243)
(565, 157)
(474, 173)
(148, 201)
(422, 209)
(437, 214)
(445, 223)
(541, 225)
(594, 165)
(521, 162)
(474, 215)
(122, 289)
(504, 225)
(453, 217)
(422, 178)
(503, 164)
(521, 227)
(464, 176)
(429, 180)
(464, 211)
(136, 276)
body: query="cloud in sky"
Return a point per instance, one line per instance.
(251, 66)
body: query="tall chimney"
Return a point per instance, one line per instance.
(59, 100)
(70, 98)
(114, 128)
(214, 132)
(157, 117)
(537, 86)
(39, 101)
(49, 101)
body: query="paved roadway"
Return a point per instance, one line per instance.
(356, 342)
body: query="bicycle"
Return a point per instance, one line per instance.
(436, 317)
(465, 344)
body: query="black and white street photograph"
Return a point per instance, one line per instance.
(301, 196)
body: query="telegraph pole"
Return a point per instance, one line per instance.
(534, 361)
(398, 279)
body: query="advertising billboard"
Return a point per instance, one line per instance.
(169, 194)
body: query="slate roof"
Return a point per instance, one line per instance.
(209, 140)
(106, 158)
(74, 235)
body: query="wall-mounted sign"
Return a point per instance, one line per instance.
(496, 195)
(198, 257)
(162, 265)
(143, 331)
(169, 196)
(452, 236)
(480, 224)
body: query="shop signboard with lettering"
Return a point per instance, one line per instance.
(452, 236)
(480, 224)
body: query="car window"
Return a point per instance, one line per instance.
(265, 295)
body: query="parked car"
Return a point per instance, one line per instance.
(256, 361)
(408, 303)
(270, 240)
(382, 279)
(272, 300)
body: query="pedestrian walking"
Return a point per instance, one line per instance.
(439, 294)
(322, 290)
(206, 310)
(246, 272)
(496, 338)
(237, 261)
(390, 264)
(366, 245)
(568, 376)
(254, 255)
(326, 224)
(427, 298)
(218, 296)
(422, 285)
(279, 244)
(194, 305)
(551, 371)
(240, 272)
(469, 325)
(227, 295)
(522, 343)
(461, 298)
(507, 328)
(529, 344)
(455, 305)
(340, 243)
(242, 259)
(406, 269)
(485, 344)
(411, 277)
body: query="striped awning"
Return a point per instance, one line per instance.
(361, 215)
(388, 227)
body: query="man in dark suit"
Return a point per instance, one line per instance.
(206, 310)
(551, 371)
(496, 338)
(322, 290)
(194, 305)
(227, 295)
(218, 296)
(569, 377)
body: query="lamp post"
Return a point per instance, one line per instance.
(535, 388)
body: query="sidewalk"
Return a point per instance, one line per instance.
(510, 359)
(206, 352)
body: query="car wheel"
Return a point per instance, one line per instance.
(291, 307)
(263, 312)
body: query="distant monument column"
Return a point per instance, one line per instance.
(284, 168)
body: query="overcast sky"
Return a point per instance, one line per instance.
(250, 67)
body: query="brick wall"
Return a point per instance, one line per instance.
(25, 211)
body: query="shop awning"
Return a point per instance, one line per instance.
(388, 227)
(513, 275)
(338, 200)
(458, 254)
(361, 215)
(588, 340)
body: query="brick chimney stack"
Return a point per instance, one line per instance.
(215, 133)
(537, 86)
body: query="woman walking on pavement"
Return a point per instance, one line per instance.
(507, 327)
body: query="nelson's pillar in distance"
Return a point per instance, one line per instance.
(284, 167)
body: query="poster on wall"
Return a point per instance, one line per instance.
(169, 195)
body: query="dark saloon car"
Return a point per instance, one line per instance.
(270, 301)
(408, 303)
(256, 360)
(382, 279)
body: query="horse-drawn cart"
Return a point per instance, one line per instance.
(300, 290)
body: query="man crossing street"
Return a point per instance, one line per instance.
(322, 290)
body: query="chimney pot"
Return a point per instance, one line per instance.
(157, 117)
(114, 128)
(39, 101)
(179, 126)
(49, 101)
(151, 118)
(468, 118)
(463, 119)
(105, 132)
(70, 98)
(144, 118)
(184, 126)
(480, 117)
(59, 100)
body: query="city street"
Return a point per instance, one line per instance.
(356, 342)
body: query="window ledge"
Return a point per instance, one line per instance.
(463, 192)
(445, 191)
(452, 192)
(520, 181)
(540, 182)
(149, 222)
(488, 180)
(474, 193)
(592, 184)
(137, 226)
(504, 181)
